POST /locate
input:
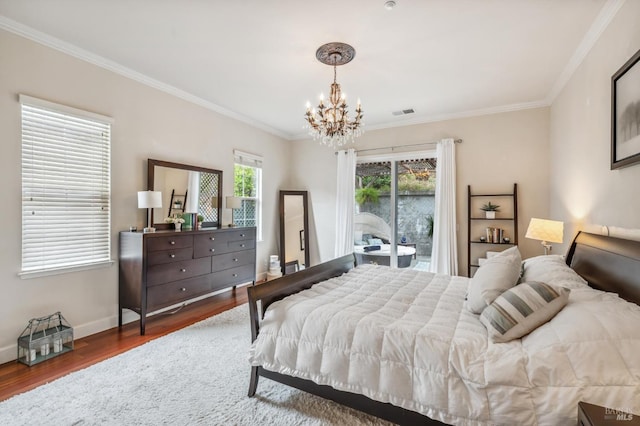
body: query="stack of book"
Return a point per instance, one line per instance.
(495, 235)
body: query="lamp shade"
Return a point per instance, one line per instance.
(149, 199)
(233, 202)
(545, 230)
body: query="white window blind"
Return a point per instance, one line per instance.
(247, 159)
(66, 187)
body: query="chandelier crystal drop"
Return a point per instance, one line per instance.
(330, 124)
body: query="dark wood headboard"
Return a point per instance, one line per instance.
(607, 263)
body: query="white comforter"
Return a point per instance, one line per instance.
(403, 336)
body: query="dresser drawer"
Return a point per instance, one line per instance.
(233, 260)
(208, 245)
(169, 242)
(176, 292)
(241, 245)
(164, 273)
(223, 242)
(169, 256)
(241, 234)
(227, 277)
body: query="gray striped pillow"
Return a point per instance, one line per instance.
(521, 309)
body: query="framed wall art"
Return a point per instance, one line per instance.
(625, 114)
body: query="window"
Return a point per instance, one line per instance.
(247, 184)
(66, 190)
(395, 199)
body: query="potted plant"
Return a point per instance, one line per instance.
(177, 204)
(200, 220)
(490, 210)
(367, 195)
(430, 225)
(177, 221)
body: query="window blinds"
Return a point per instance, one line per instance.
(65, 187)
(247, 159)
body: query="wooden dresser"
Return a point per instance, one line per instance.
(165, 268)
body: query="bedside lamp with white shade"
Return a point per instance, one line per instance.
(233, 203)
(149, 200)
(547, 231)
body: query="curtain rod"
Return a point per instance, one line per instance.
(403, 146)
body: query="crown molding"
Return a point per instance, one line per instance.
(604, 18)
(84, 55)
(602, 21)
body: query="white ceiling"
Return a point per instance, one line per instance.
(255, 59)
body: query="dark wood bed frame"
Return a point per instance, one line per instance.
(607, 263)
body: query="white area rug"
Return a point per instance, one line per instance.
(195, 376)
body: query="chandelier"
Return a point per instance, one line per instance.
(330, 123)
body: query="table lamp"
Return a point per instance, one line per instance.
(546, 231)
(233, 203)
(149, 200)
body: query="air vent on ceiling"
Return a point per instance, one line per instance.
(403, 112)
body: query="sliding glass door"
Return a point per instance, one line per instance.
(395, 197)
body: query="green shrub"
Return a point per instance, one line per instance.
(367, 195)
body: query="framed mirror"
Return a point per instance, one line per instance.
(294, 231)
(185, 189)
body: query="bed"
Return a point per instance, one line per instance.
(390, 365)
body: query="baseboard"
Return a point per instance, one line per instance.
(10, 353)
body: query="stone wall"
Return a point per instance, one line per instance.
(413, 210)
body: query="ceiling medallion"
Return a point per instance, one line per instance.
(330, 123)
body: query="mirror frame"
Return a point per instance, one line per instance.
(305, 208)
(151, 165)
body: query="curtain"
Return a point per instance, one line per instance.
(444, 252)
(345, 201)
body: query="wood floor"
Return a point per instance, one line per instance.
(17, 378)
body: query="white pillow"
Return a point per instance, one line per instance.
(521, 309)
(551, 269)
(498, 274)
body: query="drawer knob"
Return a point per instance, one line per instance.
(183, 270)
(235, 260)
(212, 250)
(242, 235)
(241, 245)
(172, 243)
(235, 275)
(212, 238)
(183, 289)
(172, 255)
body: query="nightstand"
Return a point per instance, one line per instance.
(595, 415)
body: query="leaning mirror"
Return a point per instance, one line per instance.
(294, 231)
(185, 189)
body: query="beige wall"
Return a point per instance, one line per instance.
(559, 157)
(583, 189)
(148, 124)
(497, 151)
